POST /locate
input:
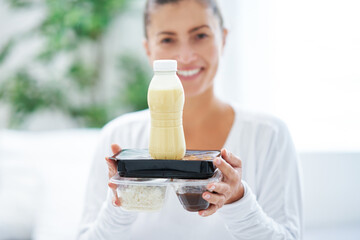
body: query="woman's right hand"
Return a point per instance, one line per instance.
(113, 171)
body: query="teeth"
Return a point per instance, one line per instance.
(188, 73)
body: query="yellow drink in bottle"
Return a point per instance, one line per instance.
(166, 103)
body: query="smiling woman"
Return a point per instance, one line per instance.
(190, 35)
(258, 197)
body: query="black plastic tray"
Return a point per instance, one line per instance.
(138, 163)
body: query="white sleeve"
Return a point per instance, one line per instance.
(111, 223)
(100, 219)
(275, 210)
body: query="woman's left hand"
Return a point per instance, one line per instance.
(230, 189)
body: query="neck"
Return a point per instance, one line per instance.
(199, 107)
(203, 126)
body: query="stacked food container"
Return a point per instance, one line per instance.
(143, 182)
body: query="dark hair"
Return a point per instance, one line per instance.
(150, 4)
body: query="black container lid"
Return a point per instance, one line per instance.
(138, 163)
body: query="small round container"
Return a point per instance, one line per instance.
(141, 194)
(189, 192)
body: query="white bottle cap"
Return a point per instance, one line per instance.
(165, 65)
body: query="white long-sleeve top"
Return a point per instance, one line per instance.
(270, 209)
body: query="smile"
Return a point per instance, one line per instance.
(188, 73)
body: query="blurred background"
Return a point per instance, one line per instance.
(68, 67)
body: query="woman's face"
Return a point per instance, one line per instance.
(189, 33)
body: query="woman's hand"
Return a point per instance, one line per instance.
(112, 171)
(230, 189)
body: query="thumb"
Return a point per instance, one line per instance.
(115, 148)
(232, 159)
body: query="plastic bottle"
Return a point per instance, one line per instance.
(166, 103)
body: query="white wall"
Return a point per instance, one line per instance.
(330, 189)
(300, 61)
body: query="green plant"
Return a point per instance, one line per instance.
(26, 95)
(136, 80)
(69, 28)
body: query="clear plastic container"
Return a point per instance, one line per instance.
(141, 194)
(150, 194)
(189, 191)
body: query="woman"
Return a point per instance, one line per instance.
(258, 198)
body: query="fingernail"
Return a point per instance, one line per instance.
(212, 187)
(203, 214)
(217, 161)
(207, 196)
